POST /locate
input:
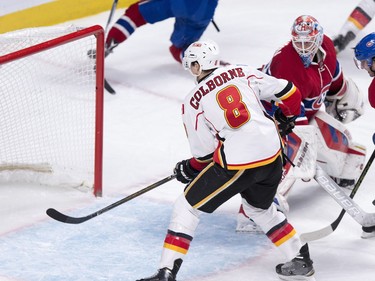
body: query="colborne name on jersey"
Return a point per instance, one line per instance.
(214, 82)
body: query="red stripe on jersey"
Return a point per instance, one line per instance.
(196, 120)
(254, 164)
(199, 165)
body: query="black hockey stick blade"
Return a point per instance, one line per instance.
(324, 232)
(108, 87)
(56, 215)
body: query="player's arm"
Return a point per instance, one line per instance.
(285, 98)
(202, 146)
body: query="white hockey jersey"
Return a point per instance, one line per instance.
(223, 115)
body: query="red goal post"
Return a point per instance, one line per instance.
(51, 129)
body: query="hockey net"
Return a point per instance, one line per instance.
(52, 106)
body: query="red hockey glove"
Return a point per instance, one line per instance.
(184, 172)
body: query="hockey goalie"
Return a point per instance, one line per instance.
(330, 100)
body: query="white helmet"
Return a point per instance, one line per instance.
(206, 53)
(307, 37)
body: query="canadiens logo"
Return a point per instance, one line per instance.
(370, 43)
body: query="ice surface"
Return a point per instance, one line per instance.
(144, 138)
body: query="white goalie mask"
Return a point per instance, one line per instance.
(307, 37)
(206, 53)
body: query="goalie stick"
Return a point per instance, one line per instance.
(321, 233)
(56, 215)
(339, 195)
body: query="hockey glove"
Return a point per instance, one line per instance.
(184, 172)
(286, 124)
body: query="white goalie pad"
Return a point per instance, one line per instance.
(338, 155)
(301, 149)
(347, 107)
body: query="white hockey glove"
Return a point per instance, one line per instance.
(348, 106)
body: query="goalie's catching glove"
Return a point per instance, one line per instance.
(184, 172)
(286, 124)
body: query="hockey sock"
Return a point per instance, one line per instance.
(125, 25)
(177, 53)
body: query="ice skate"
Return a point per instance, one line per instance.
(163, 274)
(368, 232)
(342, 41)
(345, 183)
(299, 268)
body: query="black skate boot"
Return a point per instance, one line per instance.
(299, 268)
(346, 183)
(165, 274)
(342, 41)
(368, 232)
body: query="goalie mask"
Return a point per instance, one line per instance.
(364, 51)
(307, 37)
(206, 53)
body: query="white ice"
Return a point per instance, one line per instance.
(143, 140)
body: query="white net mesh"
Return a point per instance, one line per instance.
(48, 109)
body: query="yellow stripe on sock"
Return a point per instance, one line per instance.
(175, 248)
(285, 238)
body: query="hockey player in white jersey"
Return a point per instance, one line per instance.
(236, 149)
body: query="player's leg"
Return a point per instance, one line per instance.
(357, 20)
(301, 150)
(257, 203)
(135, 16)
(200, 196)
(190, 24)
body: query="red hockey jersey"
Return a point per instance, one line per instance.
(323, 77)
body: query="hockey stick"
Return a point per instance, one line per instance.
(114, 5)
(215, 25)
(336, 192)
(321, 233)
(56, 215)
(107, 86)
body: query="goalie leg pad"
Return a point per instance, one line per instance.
(301, 149)
(338, 155)
(184, 221)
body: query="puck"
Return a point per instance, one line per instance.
(373, 202)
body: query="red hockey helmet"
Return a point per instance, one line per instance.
(307, 37)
